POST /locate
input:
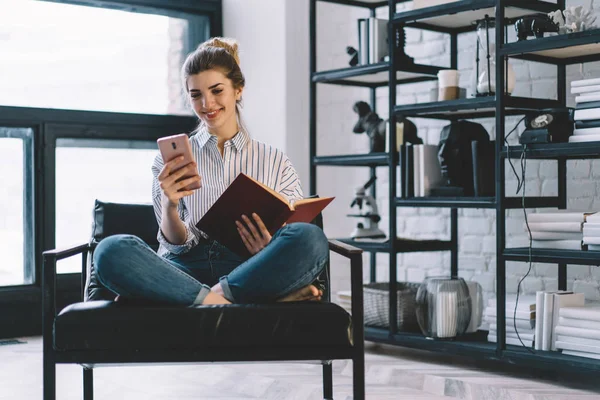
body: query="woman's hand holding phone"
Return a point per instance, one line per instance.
(173, 183)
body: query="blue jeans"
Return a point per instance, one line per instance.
(293, 259)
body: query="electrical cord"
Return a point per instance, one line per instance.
(520, 187)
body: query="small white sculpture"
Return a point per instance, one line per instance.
(573, 19)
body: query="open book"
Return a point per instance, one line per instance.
(245, 196)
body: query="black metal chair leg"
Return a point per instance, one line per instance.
(328, 381)
(49, 373)
(358, 375)
(88, 384)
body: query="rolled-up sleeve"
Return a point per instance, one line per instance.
(191, 234)
(288, 182)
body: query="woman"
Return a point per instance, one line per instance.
(189, 268)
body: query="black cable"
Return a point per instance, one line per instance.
(523, 170)
(519, 182)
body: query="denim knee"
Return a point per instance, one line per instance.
(109, 254)
(309, 236)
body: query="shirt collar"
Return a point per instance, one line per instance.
(239, 141)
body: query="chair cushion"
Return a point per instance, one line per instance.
(106, 325)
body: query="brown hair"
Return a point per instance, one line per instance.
(215, 53)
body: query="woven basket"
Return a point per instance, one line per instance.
(376, 301)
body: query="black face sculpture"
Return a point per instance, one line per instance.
(454, 153)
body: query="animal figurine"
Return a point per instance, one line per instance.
(375, 127)
(535, 25)
(353, 53)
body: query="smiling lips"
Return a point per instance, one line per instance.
(213, 114)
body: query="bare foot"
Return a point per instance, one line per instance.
(307, 293)
(214, 298)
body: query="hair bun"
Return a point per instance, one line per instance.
(230, 45)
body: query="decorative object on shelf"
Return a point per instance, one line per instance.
(484, 168)
(579, 19)
(443, 307)
(371, 216)
(448, 88)
(486, 77)
(536, 25)
(353, 53)
(455, 157)
(375, 128)
(377, 305)
(476, 296)
(553, 125)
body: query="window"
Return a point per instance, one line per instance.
(16, 213)
(87, 58)
(115, 171)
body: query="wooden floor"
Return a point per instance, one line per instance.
(392, 373)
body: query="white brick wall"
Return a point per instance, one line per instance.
(336, 28)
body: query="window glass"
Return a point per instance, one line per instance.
(88, 58)
(107, 170)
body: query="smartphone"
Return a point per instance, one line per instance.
(174, 146)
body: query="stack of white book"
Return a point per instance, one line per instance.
(591, 232)
(557, 230)
(587, 110)
(549, 305)
(524, 323)
(578, 331)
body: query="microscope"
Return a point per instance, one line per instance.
(371, 216)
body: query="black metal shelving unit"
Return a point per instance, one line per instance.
(453, 19)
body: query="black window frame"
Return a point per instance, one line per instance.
(20, 306)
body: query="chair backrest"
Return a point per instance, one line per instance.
(112, 219)
(139, 220)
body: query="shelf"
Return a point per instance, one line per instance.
(453, 202)
(548, 360)
(401, 245)
(556, 150)
(475, 107)
(553, 256)
(376, 75)
(567, 49)
(358, 160)
(459, 16)
(471, 345)
(359, 3)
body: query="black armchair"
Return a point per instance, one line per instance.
(100, 331)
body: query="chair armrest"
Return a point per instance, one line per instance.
(59, 254)
(344, 249)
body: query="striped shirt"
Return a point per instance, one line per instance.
(241, 153)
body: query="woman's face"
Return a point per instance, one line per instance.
(213, 99)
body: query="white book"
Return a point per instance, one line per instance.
(593, 247)
(541, 235)
(511, 341)
(547, 321)
(591, 313)
(584, 138)
(593, 218)
(526, 315)
(431, 172)
(363, 41)
(578, 323)
(584, 98)
(557, 216)
(378, 36)
(563, 299)
(526, 302)
(539, 307)
(578, 332)
(575, 339)
(417, 170)
(585, 82)
(586, 114)
(521, 323)
(556, 226)
(585, 89)
(586, 132)
(591, 240)
(581, 354)
(511, 329)
(578, 347)
(523, 335)
(591, 231)
(557, 244)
